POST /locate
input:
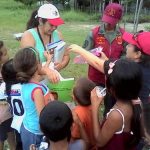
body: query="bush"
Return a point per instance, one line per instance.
(147, 27)
(77, 16)
(142, 18)
(27, 2)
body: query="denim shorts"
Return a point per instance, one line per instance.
(5, 129)
(29, 138)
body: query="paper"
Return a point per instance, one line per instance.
(80, 60)
(18, 36)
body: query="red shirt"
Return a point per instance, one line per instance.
(85, 115)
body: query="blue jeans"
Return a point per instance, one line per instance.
(29, 138)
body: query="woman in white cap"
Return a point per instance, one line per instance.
(43, 31)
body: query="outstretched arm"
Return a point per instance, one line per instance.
(93, 60)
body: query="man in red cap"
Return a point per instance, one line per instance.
(108, 36)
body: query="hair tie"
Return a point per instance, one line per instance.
(35, 52)
(136, 101)
(111, 66)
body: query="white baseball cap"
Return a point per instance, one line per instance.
(50, 12)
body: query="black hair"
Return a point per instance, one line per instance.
(146, 117)
(56, 120)
(9, 75)
(145, 58)
(25, 63)
(33, 21)
(82, 91)
(124, 83)
(1, 45)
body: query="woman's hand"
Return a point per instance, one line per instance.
(58, 66)
(95, 100)
(52, 75)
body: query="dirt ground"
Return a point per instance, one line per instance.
(127, 26)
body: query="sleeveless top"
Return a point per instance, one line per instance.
(31, 118)
(120, 139)
(38, 43)
(17, 106)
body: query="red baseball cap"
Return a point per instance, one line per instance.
(141, 40)
(112, 13)
(50, 12)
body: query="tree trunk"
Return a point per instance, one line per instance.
(135, 16)
(137, 21)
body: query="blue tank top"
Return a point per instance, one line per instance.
(38, 43)
(31, 118)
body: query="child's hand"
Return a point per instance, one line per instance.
(95, 100)
(74, 48)
(32, 147)
(48, 56)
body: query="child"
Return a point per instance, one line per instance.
(3, 56)
(121, 129)
(81, 96)
(56, 121)
(11, 87)
(26, 63)
(6, 132)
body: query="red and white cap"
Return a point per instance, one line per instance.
(141, 40)
(50, 12)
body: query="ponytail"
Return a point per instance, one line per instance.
(33, 21)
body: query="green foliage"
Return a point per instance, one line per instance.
(142, 18)
(78, 16)
(27, 2)
(147, 27)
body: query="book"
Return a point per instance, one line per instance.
(63, 89)
(58, 48)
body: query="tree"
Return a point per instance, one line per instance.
(27, 2)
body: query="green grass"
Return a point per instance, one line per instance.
(14, 16)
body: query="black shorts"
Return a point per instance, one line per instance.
(4, 129)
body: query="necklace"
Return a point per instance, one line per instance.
(42, 39)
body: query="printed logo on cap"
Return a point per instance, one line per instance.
(55, 13)
(111, 12)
